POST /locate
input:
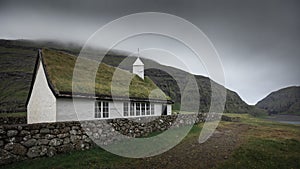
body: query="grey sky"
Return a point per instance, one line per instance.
(258, 40)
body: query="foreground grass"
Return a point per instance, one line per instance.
(269, 145)
(77, 159)
(18, 114)
(266, 154)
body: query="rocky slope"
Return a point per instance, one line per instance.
(17, 58)
(283, 101)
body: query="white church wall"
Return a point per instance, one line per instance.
(169, 109)
(42, 103)
(116, 109)
(157, 109)
(85, 109)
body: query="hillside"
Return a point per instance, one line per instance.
(283, 101)
(17, 58)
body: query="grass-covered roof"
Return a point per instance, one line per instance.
(59, 67)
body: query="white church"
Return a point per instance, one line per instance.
(48, 102)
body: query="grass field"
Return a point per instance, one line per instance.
(18, 114)
(268, 145)
(253, 143)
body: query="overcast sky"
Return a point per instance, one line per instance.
(258, 40)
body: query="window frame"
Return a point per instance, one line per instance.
(143, 109)
(152, 109)
(138, 109)
(125, 109)
(105, 109)
(148, 109)
(132, 109)
(101, 109)
(98, 109)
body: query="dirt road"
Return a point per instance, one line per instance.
(190, 154)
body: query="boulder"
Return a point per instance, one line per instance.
(73, 132)
(36, 151)
(44, 131)
(55, 131)
(1, 143)
(63, 135)
(55, 142)
(29, 143)
(11, 133)
(24, 133)
(65, 148)
(67, 140)
(49, 136)
(51, 152)
(7, 157)
(2, 132)
(43, 142)
(15, 148)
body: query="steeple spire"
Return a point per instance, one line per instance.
(138, 66)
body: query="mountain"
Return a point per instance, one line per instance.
(17, 58)
(283, 101)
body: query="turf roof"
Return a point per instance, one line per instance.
(59, 68)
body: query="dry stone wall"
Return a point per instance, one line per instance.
(13, 120)
(26, 141)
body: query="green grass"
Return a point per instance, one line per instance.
(266, 154)
(269, 144)
(108, 80)
(18, 114)
(93, 158)
(16, 64)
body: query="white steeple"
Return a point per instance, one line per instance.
(138, 62)
(138, 67)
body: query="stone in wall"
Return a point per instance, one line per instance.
(13, 120)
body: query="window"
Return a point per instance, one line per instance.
(125, 109)
(101, 109)
(143, 109)
(147, 108)
(138, 109)
(97, 109)
(105, 109)
(131, 109)
(152, 109)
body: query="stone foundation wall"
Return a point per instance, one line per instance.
(25, 141)
(13, 120)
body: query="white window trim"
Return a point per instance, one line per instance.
(126, 104)
(151, 109)
(101, 110)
